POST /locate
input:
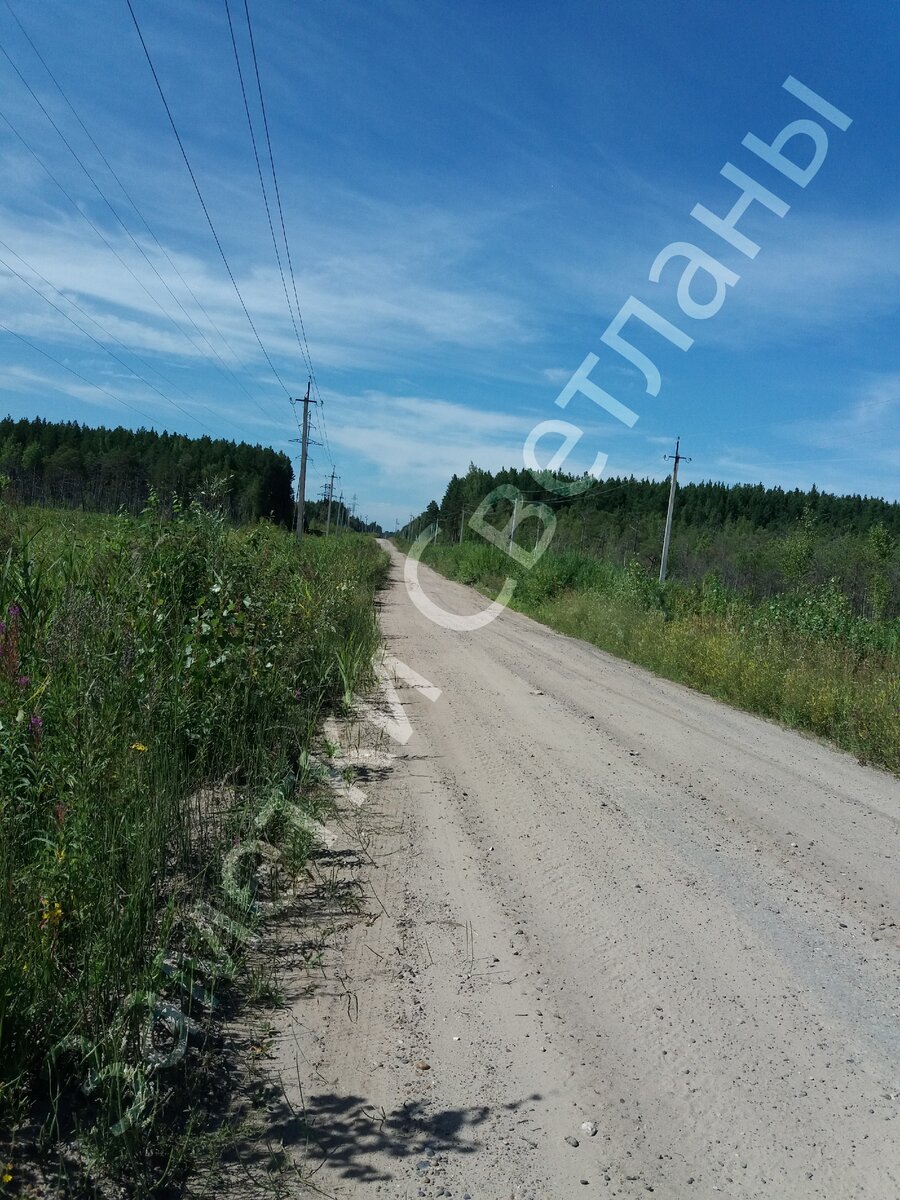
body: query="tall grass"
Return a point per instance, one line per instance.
(802, 658)
(160, 680)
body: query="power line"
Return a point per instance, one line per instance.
(115, 357)
(190, 169)
(287, 245)
(322, 431)
(115, 214)
(262, 185)
(109, 335)
(100, 234)
(324, 427)
(72, 371)
(139, 214)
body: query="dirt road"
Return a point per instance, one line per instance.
(602, 897)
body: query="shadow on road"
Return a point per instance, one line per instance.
(356, 1139)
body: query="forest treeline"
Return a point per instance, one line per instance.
(67, 465)
(761, 540)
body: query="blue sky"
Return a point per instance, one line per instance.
(471, 192)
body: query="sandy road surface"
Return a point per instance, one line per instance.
(603, 897)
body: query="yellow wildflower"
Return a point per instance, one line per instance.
(138, 746)
(60, 856)
(6, 1177)
(51, 914)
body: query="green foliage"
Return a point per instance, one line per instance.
(160, 683)
(762, 541)
(798, 549)
(102, 470)
(639, 586)
(881, 549)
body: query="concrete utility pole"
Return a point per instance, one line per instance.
(667, 536)
(304, 446)
(330, 497)
(514, 522)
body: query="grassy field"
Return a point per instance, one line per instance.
(161, 682)
(802, 658)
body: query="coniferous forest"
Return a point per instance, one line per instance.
(67, 465)
(762, 540)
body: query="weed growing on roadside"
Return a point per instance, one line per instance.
(160, 680)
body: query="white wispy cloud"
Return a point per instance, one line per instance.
(390, 287)
(812, 274)
(868, 424)
(418, 442)
(849, 449)
(822, 271)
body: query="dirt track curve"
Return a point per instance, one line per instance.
(602, 897)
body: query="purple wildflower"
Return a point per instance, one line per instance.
(15, 611)
(36, 725)
(23, 681)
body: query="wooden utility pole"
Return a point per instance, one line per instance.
(462, 525)
(667, 536)
(304, 446)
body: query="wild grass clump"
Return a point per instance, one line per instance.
(803, 657)
(160, 683)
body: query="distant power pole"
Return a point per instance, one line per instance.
(462, 525)
(304, 447)
(514, 522)
(330, 498)
(667, 536)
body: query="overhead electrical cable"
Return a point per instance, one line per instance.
(319, 414)
(129, 233)
(112, 337)
(96, 342)
(84, 216)
(72, 371)
(262, 185)
(287, 245)
(187, 163)
(321, 410)
(138, 212)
